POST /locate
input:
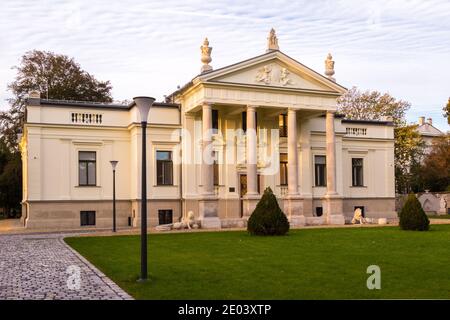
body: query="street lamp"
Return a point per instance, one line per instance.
(114, 165)
(144, 104)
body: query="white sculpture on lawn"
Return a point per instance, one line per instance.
(187, 221)
(443, 205)
(358, 216)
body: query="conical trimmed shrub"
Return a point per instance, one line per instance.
(412, 216)
(268, 219)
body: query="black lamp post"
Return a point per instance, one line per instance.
(114, 165)
(144, 104)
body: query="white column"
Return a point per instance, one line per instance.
(207, 163)
(252, 177)
(331, 154)
(292, 153)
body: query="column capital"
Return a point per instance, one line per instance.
(331, 112)
(292, 110)
(207, 105)
(251, 107)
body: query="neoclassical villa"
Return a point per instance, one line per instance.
(213, 147)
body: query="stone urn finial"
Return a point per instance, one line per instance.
(34, 94)
(329, 67)
(272, 41)
(206, 56)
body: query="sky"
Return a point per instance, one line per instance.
(147, 47)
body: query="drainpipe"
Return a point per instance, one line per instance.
(181, 168)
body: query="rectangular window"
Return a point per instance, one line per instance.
(87, 168)
(215, 120)
(320, 170)
(283, 169)
(165, 216)
(282, 123)
(357, 172)
(87, 218)
(216, 169)
(319, 211)
(164, 168)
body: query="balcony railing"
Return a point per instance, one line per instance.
(283, 190)
(86, 118)
(356, 131)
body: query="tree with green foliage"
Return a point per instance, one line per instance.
(10, 181)
(55, 76)
(268, 219)
(372, 105)
(435, 169)
(412, 216)
(408, 153)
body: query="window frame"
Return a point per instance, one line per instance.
(90, 218)
(284, 167)
(215, 121)
(282, 125)
(87, 162)
(216, 174)
(357, 173)
(317, 167)
(163, 182)
(165, 212)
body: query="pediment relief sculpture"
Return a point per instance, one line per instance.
(274, 75)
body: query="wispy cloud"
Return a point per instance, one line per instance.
(151, 47)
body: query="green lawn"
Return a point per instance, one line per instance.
(307, 264)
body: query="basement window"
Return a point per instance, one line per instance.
(165, 216)
(87, 218)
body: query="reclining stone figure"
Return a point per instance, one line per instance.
(358, 217)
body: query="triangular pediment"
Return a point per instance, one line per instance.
(274, 70)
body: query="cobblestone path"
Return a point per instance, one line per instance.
(44, 267)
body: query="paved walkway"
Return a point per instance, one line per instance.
(44, 267)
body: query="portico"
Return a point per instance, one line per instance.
(250, 96)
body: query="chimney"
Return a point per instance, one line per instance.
(34, 98)
(430, 121)
(421, 121)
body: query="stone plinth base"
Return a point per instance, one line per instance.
(211, 223)
(315, 221)
(209, 213)
(334, 210)
(208, 208)
(249, 204)
(336, 219)
(234, 223)
(293, 205)
(296, 220)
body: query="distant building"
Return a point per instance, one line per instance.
(428, 132)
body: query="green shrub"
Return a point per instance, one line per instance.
(268, 219)
(412, 216)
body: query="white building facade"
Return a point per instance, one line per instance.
(222, 139)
